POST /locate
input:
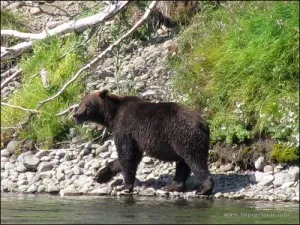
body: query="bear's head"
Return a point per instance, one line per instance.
(91, 108)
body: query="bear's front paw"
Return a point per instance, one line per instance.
(205, 191)
(179, 187)
(124, 188)
(103, 175)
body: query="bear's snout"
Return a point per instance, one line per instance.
(78, 116)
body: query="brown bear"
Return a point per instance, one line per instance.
(166, 131)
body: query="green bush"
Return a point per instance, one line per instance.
(284, 154)
(61, 58)
(239, 65)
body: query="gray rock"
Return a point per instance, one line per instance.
(100, 149)
(81, 163)
(267, 180)
(68, 156)
(52, 154)
(29, 160)
(23, 188)
(32, 179)
(282, 177)
(162, 193)
(45, 158)
(147, 160)
(60, 153)
(46, 175)
(287, 185)
(148, 93)
(8, 185)
(15, 5)
(227, 167)
(278, 168)
(32, 188)
(190, 194)
(146, 171)
(45, 166)
(85, 151)
(41, 188)
(237, 168)
(51, 25)
(12, 146)
(60, 176)
(69, 191)
(52, 188)
(41, 153)
(218, 195)
(295, 172)
(77, 170)
(100, 191)
(4, 159)
(260, 163)
(22, 182)
(148, 192)
(21, 168)
(114, 155)
(35, 10)
(55, 162)
(5, 153)
(96, 165)
(105, 155)
(257, 177)
(268, 168)
(9, 166)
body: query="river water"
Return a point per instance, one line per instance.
(31, 209)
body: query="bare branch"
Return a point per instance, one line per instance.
(19, 107)
(16, 50)
(102, 54)
(74, 25)
(10, 78)
(67, 110)
(7, 128)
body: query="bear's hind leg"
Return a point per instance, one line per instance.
(182, 173)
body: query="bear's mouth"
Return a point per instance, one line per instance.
(79, 118)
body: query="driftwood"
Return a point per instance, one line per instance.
(74, 25)
(67, 110)
(5, 82)
(19, 107)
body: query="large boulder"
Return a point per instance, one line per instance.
(45, 166)
(29, 160)
(282, 177)
(12, 146)
(41, 154)
(260, 163)
(5, 153)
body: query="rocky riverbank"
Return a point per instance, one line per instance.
(71, 172)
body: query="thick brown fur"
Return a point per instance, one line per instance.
(166, 131)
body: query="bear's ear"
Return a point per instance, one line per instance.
(103, 94)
